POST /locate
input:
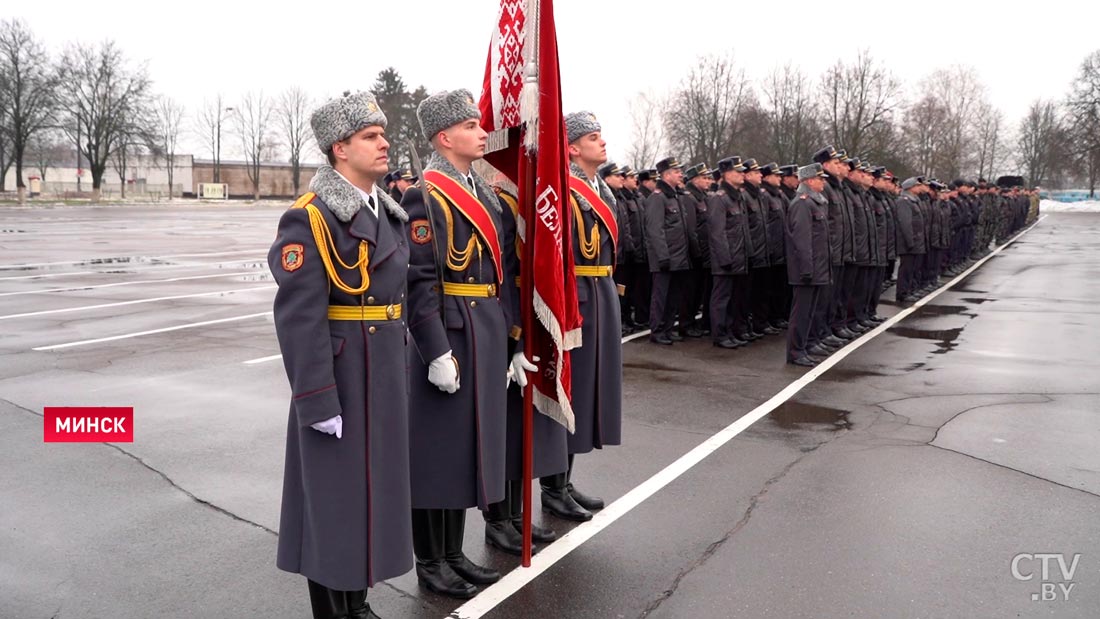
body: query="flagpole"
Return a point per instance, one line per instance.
(527, 287)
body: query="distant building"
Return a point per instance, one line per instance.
(147, 177)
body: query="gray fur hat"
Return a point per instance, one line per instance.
(340, 118)
(444, 109)
(911, 182)
(580, 124)
(810, 171)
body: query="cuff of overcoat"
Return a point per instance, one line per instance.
(317, 405)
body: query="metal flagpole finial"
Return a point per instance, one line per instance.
(529, 95)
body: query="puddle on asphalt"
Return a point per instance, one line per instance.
(944, 310)
(944, 338)
(840, 374)
(793, 415)
(12, 231)
(978, 300)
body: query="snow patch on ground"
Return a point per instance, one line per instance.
(1086, 206)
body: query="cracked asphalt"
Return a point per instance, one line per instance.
(900, 483)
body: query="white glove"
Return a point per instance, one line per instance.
(443, 373)
(332, 425)
(517, 367)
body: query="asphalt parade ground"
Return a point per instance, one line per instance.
(931, 469)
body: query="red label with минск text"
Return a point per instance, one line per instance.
(88, 424)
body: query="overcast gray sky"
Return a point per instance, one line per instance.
(609, 50)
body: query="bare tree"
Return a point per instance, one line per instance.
(990, 147)
(254, 128)
(169, 122)
(292, 118)
(45, 150)
(1040, 132)
(704, 115)
(31, 81)
(5, 141)
(792, 116)
(925, 127)
(647, 136)
(208, 127)
(104, 99)
(1083, 108)
(856, 99)
(959, 94)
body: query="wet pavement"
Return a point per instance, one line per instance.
(900, 483)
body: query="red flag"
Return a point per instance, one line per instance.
(524, 47)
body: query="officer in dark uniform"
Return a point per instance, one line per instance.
(756, 214)
(788, 175)
(855, 270)
(910, 231)
(462, 310)
(647, 184)
(667, 250)
(402, 180)
(827, 326)
(698, 179)
(344, 522)
(639, 282)
(728, 240)
(779, 301)
(613, 176)
(808, 261)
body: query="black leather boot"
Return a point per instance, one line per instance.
(591, 503)
(557, 499)
(499, 531)
(358, 607)
(327, 603)
(539, 534)
(454, 526)
(432, 571)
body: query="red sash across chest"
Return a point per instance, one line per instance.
(473, 210)
(602, 210)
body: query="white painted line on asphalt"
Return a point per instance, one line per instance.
(6, 267)
(114, 269)
(134, 302)
(263, 359)
(112, 285)
(515, 580)
(150, 332)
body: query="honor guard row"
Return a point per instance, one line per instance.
(399, 328)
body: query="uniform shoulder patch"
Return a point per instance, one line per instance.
(304, 200)
(293, 256)
(420, 231)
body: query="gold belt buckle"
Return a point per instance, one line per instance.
(492, 290)
(391, 312)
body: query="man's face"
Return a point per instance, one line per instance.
(701, 182)
(753, 177)
(835, 168)
(673, 176)
(631, 182)
(614, 181)
(772, 180)
(816, 183)
(589, 149)
(650, 184)
(734, 177)
(467, 139)
(791, 182)
(366, 152)
(403, 185)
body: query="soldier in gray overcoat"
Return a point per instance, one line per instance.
(460, 318)
(597, 367)
(344, 521)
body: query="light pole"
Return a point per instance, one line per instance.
(218, 148)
